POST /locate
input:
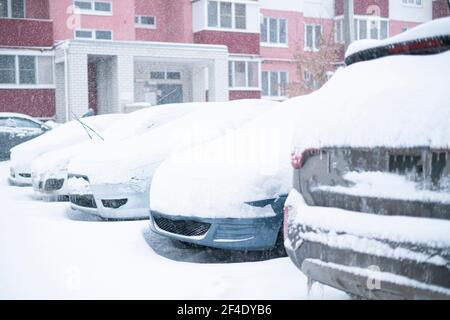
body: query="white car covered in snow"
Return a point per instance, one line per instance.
(229, 193)
(114, 183)
(62, 136)
(49, 171)
(370, 209)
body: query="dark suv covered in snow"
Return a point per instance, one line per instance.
(370, 209)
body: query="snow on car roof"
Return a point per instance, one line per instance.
(438, 27)
(130, 158)
(130, 125)
(61, 136)
(215, 179)
(396, 101)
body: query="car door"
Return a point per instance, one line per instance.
(6, 128)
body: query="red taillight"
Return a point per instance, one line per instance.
(298, 160)
(285, 221)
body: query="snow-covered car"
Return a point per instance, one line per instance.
(114, 183)
(370, 209)
(16, 128)
(229, 193)
(428, 38)
(49, 171)
(60, 137)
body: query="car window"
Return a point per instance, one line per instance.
(25, 123)
(7, 122)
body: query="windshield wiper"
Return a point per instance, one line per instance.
(87, 128)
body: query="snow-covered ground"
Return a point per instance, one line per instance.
(49, 251)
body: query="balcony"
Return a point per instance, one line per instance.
(26, 32)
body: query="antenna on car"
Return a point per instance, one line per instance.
(87, 128)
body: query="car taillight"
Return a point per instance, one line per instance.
(298, 160)
(285, 221)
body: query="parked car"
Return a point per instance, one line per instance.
(49, 171)
(369, 213)
(113, 183)
(229, 193)
(62, 136)
(16, 128)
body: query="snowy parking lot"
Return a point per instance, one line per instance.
(47, 251)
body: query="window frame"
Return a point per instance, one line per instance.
(369, 20)
(93, 11)
(36, 85)
(139, 24)
(9, 10)
(232, 76)
(412, 3)
(314, 47)
(269, 87)
(218, 26)
(268, 43)
(93, 34)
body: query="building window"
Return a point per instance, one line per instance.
(12, 8)
(93, 34)
(26, 70)
(339, 31)
(274, 31)
(161, 75)
(243, 74)
(274, 83)
(371, 28)
(7, 70)
(240, 16)
(227, 15)
(309, 80)
(103, 35)
(145, 21)
(94, 7)
(313, 34)
(414, 3)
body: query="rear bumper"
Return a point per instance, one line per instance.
(369, 267)
(227, 233)
(369, 283)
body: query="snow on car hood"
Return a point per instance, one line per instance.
(397, 101)
(214, 180)
(138, 157)
(55, 163)
(438, 27)
(64, 135)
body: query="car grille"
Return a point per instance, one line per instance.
(86, 201)
(182, 227)
(53, 184)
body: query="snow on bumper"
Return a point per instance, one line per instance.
(410, 256)
(108, 201)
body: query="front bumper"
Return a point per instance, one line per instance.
(19, 177)
(109, 203)
(226, 233)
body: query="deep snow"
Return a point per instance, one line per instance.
(49, 251)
